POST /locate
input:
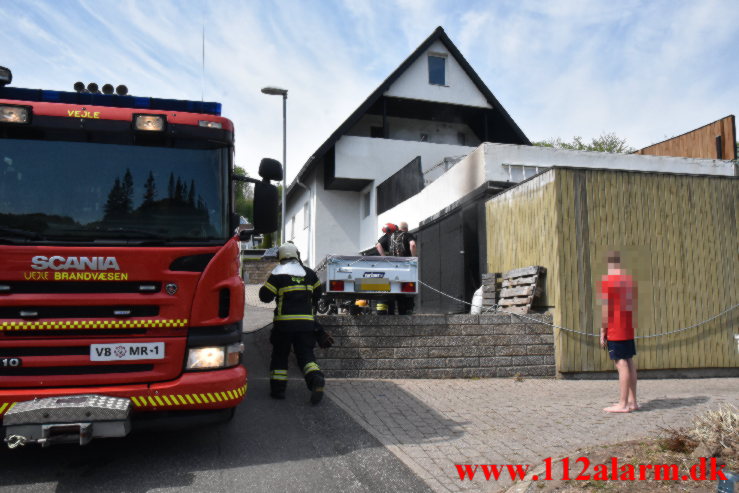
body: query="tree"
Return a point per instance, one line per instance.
(609, 142)
(244, 205)
(120, 198)
(191, 194)
(127, 192)
(150, 189)
(170, 186)
(114, 202)
(178, 190)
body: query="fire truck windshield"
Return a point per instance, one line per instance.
(82, 191)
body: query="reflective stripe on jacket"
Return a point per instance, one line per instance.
(296, 297)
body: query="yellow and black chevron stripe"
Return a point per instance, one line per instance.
(169, 400)
(94, 324)
(6, 406)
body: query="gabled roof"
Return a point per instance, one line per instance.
(437, 35)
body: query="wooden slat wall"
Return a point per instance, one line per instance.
(677, 235)
(522, 227)
(699, 143)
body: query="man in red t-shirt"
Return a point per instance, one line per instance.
(618, 321)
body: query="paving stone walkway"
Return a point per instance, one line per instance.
(256, 313)
(431, 425)
(434, 424)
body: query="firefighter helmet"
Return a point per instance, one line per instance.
(389, 228)
(288, 250)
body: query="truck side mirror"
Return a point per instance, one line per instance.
(270, 169)
(266, 199)
(265, 207)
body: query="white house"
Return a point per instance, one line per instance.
(432, 111)
(429, 135)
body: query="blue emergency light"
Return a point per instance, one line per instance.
(98, 99)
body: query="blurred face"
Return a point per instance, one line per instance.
(614, 261)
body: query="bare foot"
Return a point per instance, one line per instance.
(631, 407)
(617, 409)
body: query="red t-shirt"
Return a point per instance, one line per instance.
(618, 291)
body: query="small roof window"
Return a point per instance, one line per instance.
(437, 69)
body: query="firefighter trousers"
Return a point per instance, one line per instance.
(302, 343)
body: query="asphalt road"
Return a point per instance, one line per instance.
(269, 446)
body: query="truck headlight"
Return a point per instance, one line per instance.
(213, 357)
(203, 358)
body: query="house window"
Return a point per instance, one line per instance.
(306, 215)
(376, 132)
(366, 204)
(519, 172)
(437, 70)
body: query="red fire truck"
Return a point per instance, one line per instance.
(120, 287)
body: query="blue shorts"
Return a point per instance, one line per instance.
(621, 349)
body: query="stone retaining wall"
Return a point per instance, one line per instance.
(257, 269)
(437, 346)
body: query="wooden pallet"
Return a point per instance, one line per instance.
(490, 290)
(519, 289)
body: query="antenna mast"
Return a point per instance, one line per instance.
(202, 96)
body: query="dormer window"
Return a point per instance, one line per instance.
(437, 69)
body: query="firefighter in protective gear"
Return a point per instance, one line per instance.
(297, 290)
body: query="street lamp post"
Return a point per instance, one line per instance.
(276, 91)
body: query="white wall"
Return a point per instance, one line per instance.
(294, 208)
(334, 220)
(459, 89)
(462, 179)
(369, 230)
(337, 225)
(437, 132)
(411, 129)
(377, 159)
(487, 163)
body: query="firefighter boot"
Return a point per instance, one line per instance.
(317, 384)
(315, 381)
(278, 384)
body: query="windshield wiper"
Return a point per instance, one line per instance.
(20, 233)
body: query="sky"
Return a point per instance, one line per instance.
(644, 70)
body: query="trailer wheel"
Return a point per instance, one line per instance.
(324, 305)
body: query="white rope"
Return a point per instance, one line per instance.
(637, 337)
(495, 307)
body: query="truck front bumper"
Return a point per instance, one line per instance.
(193, 391)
